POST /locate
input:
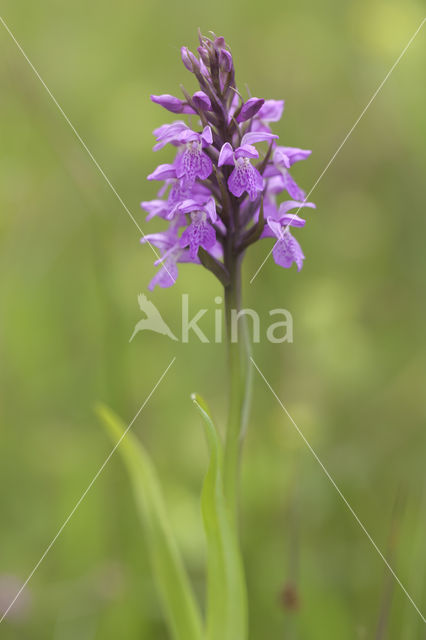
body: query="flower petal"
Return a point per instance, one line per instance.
(271, 111)
(275, 227)
(155, 208)
(162, 172)
(226, 155)
(169, 133)
(257, 136)
(292, 220)
(246, 151)
(205, 167)
(288, 205)
(274, 184)
(292, 187)
(287, 250)
(167, 274)
(207, 136)
(160, 240)
(210, 209)
(294, 154)
(278, 226)
(199, 234)
(281, 159)
(192, 164)
(245, 178)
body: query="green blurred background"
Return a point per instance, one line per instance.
(71, 269)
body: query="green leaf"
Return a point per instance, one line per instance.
(226, 590)
(180, 607)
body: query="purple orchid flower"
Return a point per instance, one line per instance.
(282, 215)
(192, 163)
(199, 234)
(283, 159)
(207, 206)
(244, 177)
(172, 253)
(287, 250)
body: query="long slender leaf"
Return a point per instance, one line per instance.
(181, 610)
(226, 590)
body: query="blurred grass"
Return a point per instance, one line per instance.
(71, 267)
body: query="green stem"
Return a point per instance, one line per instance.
(239, 389)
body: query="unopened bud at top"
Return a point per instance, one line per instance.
(204, 55)
(219, 43)
(189, 60)
(225, 60)
(202, 101)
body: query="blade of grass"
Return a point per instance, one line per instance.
(226, 590)
(181, 609)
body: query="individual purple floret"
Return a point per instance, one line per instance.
(287, 250)
(169, 244)
(220, 192)
(200, 233)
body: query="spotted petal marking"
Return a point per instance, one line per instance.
(245, 177)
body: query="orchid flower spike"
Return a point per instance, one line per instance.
(221, 189)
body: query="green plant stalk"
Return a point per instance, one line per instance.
(180, 606)
(226, 610)
(239, 368)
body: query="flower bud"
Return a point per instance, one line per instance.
(204, 71)
(188, 59)
(202, 101)
(219, 43)
(250, 108)
(172, 104)
(225, 60)
(204, 55)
